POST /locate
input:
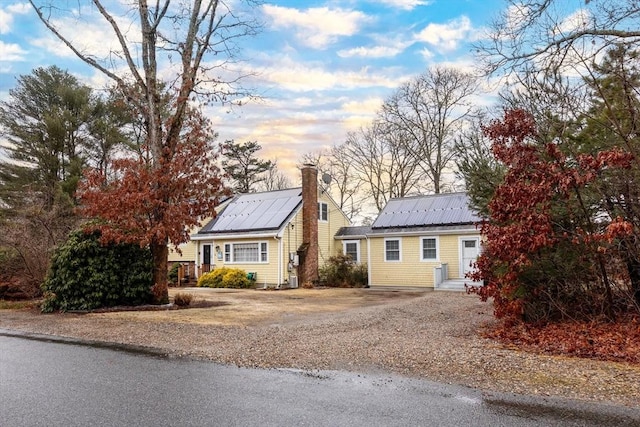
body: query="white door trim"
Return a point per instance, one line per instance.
(462, 263)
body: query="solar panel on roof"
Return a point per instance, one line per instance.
(256, 211)
(426, 210)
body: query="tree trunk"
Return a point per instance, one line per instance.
(633, 268)
(160, 252)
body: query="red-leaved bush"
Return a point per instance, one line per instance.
(550, 252)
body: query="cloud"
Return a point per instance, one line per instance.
(11, 52)
(446, 37)
(6, 15)
(403, 4)
(579, 20)
(367, 106)
(373, 52)
(19, 8)
(300, 77)
(316, 27)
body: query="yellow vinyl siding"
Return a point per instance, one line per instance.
(267, 272)
(409, 271)
(291, 241)
(412, 270)
(450, 254)
(188, 249)
(327, 245)
(188, 253)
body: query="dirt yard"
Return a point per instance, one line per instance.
(248, 307)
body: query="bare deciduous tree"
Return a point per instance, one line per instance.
(345, 184)
(554, 32)
(382, 163)
(200, 35)
(429, 111)
(275, 179)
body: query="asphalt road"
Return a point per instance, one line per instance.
(51, 383)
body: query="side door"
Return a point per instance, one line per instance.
(469, 249)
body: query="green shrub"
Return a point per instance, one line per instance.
(341, 272)
(212, 279)
(182, 300)
(86, 275)
(236, 278)
(224, 277)
(173, 273)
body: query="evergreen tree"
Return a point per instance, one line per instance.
(242, 166)
(44, 121)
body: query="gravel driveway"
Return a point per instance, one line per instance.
(432, 336)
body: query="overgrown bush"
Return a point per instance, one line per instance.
(28, 236)
(86, 275)
(224, 277)
(182, 300)
(340, 271)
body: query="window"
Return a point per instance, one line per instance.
(352, 249)
(246, 252)
(323, 211)
(429, 248)
(227, 252)
(392, 250)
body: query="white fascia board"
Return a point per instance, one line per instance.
(473, 231)
(234, 236)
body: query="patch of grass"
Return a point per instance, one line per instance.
(17, 305)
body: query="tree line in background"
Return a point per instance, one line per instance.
(552, 168)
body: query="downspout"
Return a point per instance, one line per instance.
(368, 260)
(279, 260)
(197, 260)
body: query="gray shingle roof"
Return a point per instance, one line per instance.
(432, 210)
(255, 211)
(359, 231)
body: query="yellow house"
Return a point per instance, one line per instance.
(281, 236)
(423, 241)
(186, 253)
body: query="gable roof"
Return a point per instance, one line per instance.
(252, 212)
(423, 211)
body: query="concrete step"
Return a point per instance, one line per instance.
(456, 285)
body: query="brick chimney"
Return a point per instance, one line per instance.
(308, 269)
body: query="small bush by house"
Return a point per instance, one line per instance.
(182, 300)
(340, 271)
(225, 278)
(172, 275)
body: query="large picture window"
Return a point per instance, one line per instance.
(253, 252)
(392, 248)
(429, 248)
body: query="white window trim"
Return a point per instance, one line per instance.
(344, 249)
(320, 211)
(230, 245)
(437, 258)
(399, 240)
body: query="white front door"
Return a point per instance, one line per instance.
(470, 249)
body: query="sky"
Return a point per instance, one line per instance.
(321, 68)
